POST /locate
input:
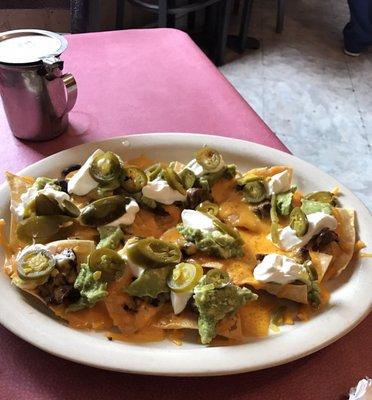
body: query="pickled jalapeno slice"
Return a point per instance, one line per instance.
(208, 207)
(254, 191)
(184, 277)
(44, 228)
(153, 253)
(274, 221)
(105, 167)
(187, 178)
(133, 179)
(35, 262)
(298, 221)
(104, 211)
(323, 197)
(70, 209)
(153, 171)
(217, 277)
(208, 158)
(108, 262)
(225, 228)
(45, 205)
(174, 180)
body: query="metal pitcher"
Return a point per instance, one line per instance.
(36, 95)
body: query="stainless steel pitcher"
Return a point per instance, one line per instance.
(36, 95)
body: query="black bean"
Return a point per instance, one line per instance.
(324, 237)
(63, 185)
(59, 280)
(260, 256)
(73, 167)
(195, 196)
(262, 210)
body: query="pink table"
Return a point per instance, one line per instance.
(159, 81)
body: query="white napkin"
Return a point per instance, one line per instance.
(363, 390)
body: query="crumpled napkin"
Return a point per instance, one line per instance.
(363, 390)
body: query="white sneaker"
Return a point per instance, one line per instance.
(349, 53)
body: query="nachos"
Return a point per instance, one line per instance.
(145, 251)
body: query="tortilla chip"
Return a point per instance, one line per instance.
(96, 318)
(185, 320)
(297, 293)
(267, 172)
(150, 334)
(230, 327)
(255, 318)
(342, 251)
(321, 262)
(17, 186)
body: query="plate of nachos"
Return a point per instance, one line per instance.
(181, 254)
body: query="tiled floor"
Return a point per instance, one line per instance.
(316, 99)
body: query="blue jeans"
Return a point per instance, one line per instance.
(358, 32)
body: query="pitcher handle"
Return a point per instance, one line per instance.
(71, 90)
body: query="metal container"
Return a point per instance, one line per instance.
(36, 95)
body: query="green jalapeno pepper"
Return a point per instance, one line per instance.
(153, 171)
(217, 277)
(44, 229)
(184, 277)
(45, 205)
(153, 253)
(35, 263)
(105, 167)
(133, 179)
(208, 207)
(104, 211)
(174, 180)
(274, 231)
(108, 262)
(298, 221)
(187, 178)
(323, 197)
(254, 191)
(225, 228)
(247, 178)
(208, 158)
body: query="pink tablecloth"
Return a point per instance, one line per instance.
(159, 81)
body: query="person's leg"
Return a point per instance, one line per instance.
(358, 32)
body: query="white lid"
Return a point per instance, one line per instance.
(24, 46)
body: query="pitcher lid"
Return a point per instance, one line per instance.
(29, 46)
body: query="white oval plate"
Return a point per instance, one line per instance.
(350, 300)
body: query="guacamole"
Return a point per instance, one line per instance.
(110, 237)
(91, 289)
(214, 302)
(215, 243)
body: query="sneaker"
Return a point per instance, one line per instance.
(350, 53)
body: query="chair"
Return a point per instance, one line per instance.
(80, 9)
(167, 13)
(241, 41)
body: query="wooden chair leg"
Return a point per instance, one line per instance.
(223, 26)
(163, 14)
(280, 16)
(79, 10)
(120, 11)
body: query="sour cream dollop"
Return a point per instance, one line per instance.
(179, 301)
(82, 182)
(317, 221)
(32, 192)
(278, 183)
(279, 269)
(129, 216)
(197, 220)
(160, 191)
(198, 170)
